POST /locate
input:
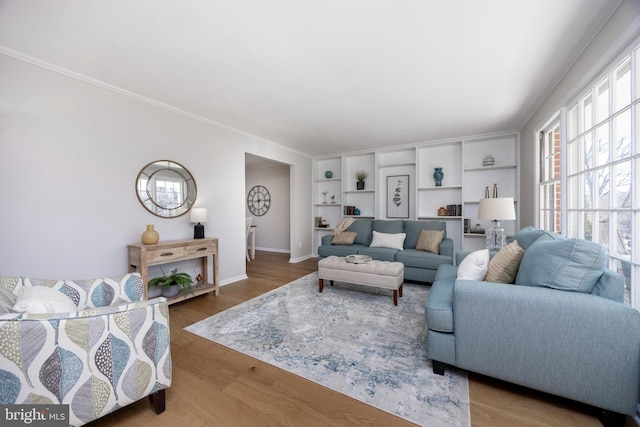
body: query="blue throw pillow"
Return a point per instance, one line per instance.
(363, 229)
(529, 235)
(569, 264)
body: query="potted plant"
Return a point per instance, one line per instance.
(170, 285)
(361, 176)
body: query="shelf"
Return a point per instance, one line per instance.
(323, 228)
(197, 290)
(329, 180)
(391, 165)
(359, 191)
(440, 217)
(359, 216)
(327, 204)
(488, 168)
(453, 187)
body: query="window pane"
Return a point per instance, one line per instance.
(574, 224)
(624, 268)
(637, 53)
(622, 236)
(588, 226)
(587, 186)
(602, 137)
(604, 184)
(587, 150)
(585, 107)
(572, 117)
(622, 83)
(574, 157)
(602, 99)
(603, 229)
(622, 135)
(574, 195)
(622, 185)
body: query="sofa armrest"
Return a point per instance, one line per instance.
(576, 345)
(446, 247)
(326, 239)
(94, 360)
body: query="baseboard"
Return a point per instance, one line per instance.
(299, 259)
(233, 279)
(282, 251)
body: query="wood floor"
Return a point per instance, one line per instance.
(216, 386)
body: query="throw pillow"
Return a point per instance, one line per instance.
(474, 266)
(570, 265)
(385, 240)
(42, 300)
(344, 238)
(503, 267)
(429, 240)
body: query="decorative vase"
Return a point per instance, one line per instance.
(328, 174)
(154, 291)
(356, 211)
(171, 291)
(495, 190)
(438, 175)
(488, 160)
(442, 211)
(486, 192)
(359, 185)
(151, 236)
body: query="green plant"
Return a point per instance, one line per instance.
(182, 280)
(361, 175)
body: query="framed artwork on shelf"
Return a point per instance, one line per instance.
(398, 196)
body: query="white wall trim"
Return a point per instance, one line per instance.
(107, 86)
(300, 259)
(233, 279)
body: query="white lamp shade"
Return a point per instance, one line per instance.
(498, 208)
(200, 215)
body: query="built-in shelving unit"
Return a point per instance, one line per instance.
(463, 185)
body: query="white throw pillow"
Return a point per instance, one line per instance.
(42, 300)
(387, 240)
(474, 266)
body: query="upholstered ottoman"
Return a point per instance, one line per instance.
(379, 274)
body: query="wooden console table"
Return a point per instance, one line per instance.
(145, 256)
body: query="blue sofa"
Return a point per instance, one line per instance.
(562, 328)
(419, 265)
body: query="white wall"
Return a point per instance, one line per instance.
(70, 152)
(272, 228)
(616, 34)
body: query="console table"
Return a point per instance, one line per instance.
(144, 256)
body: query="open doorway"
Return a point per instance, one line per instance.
(269, 207)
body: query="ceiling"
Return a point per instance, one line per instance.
(321, 77)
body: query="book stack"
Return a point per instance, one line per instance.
(349, 210)
(454, 210)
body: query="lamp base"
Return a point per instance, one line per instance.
(198, 231)
(496, 237)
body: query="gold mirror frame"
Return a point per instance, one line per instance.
(166, 188)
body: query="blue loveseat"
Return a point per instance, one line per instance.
(561, 328)
(419, 265)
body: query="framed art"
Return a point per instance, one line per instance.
(398, 196)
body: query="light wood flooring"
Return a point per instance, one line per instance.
(216, 386)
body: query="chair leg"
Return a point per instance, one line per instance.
(157, 401)
(612, 419)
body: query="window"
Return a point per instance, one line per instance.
(602, 174)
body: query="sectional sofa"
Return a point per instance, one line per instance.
(419, 265)
(559, 326)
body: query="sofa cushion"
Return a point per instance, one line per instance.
(429, 241)
(387, 240)
(413, 229)
(503, 266)
(388, 226)
(382, 254)
(529, 235)
(421, 259)
(42, 300)
(569, 264)
(474, 266)
(344, 238)
(338, 250)
(363, 229)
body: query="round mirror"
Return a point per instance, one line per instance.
(166, 188)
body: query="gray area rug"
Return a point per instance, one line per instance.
(351, 339)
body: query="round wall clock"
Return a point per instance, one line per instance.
(258, 200)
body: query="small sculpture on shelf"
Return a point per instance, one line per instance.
(324, 197)
(333, 198)
(438, 175)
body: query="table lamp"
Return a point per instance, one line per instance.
(199, 215)
(496, 209)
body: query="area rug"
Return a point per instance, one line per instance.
(351, 339)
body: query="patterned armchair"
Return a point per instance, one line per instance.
(112, 351)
